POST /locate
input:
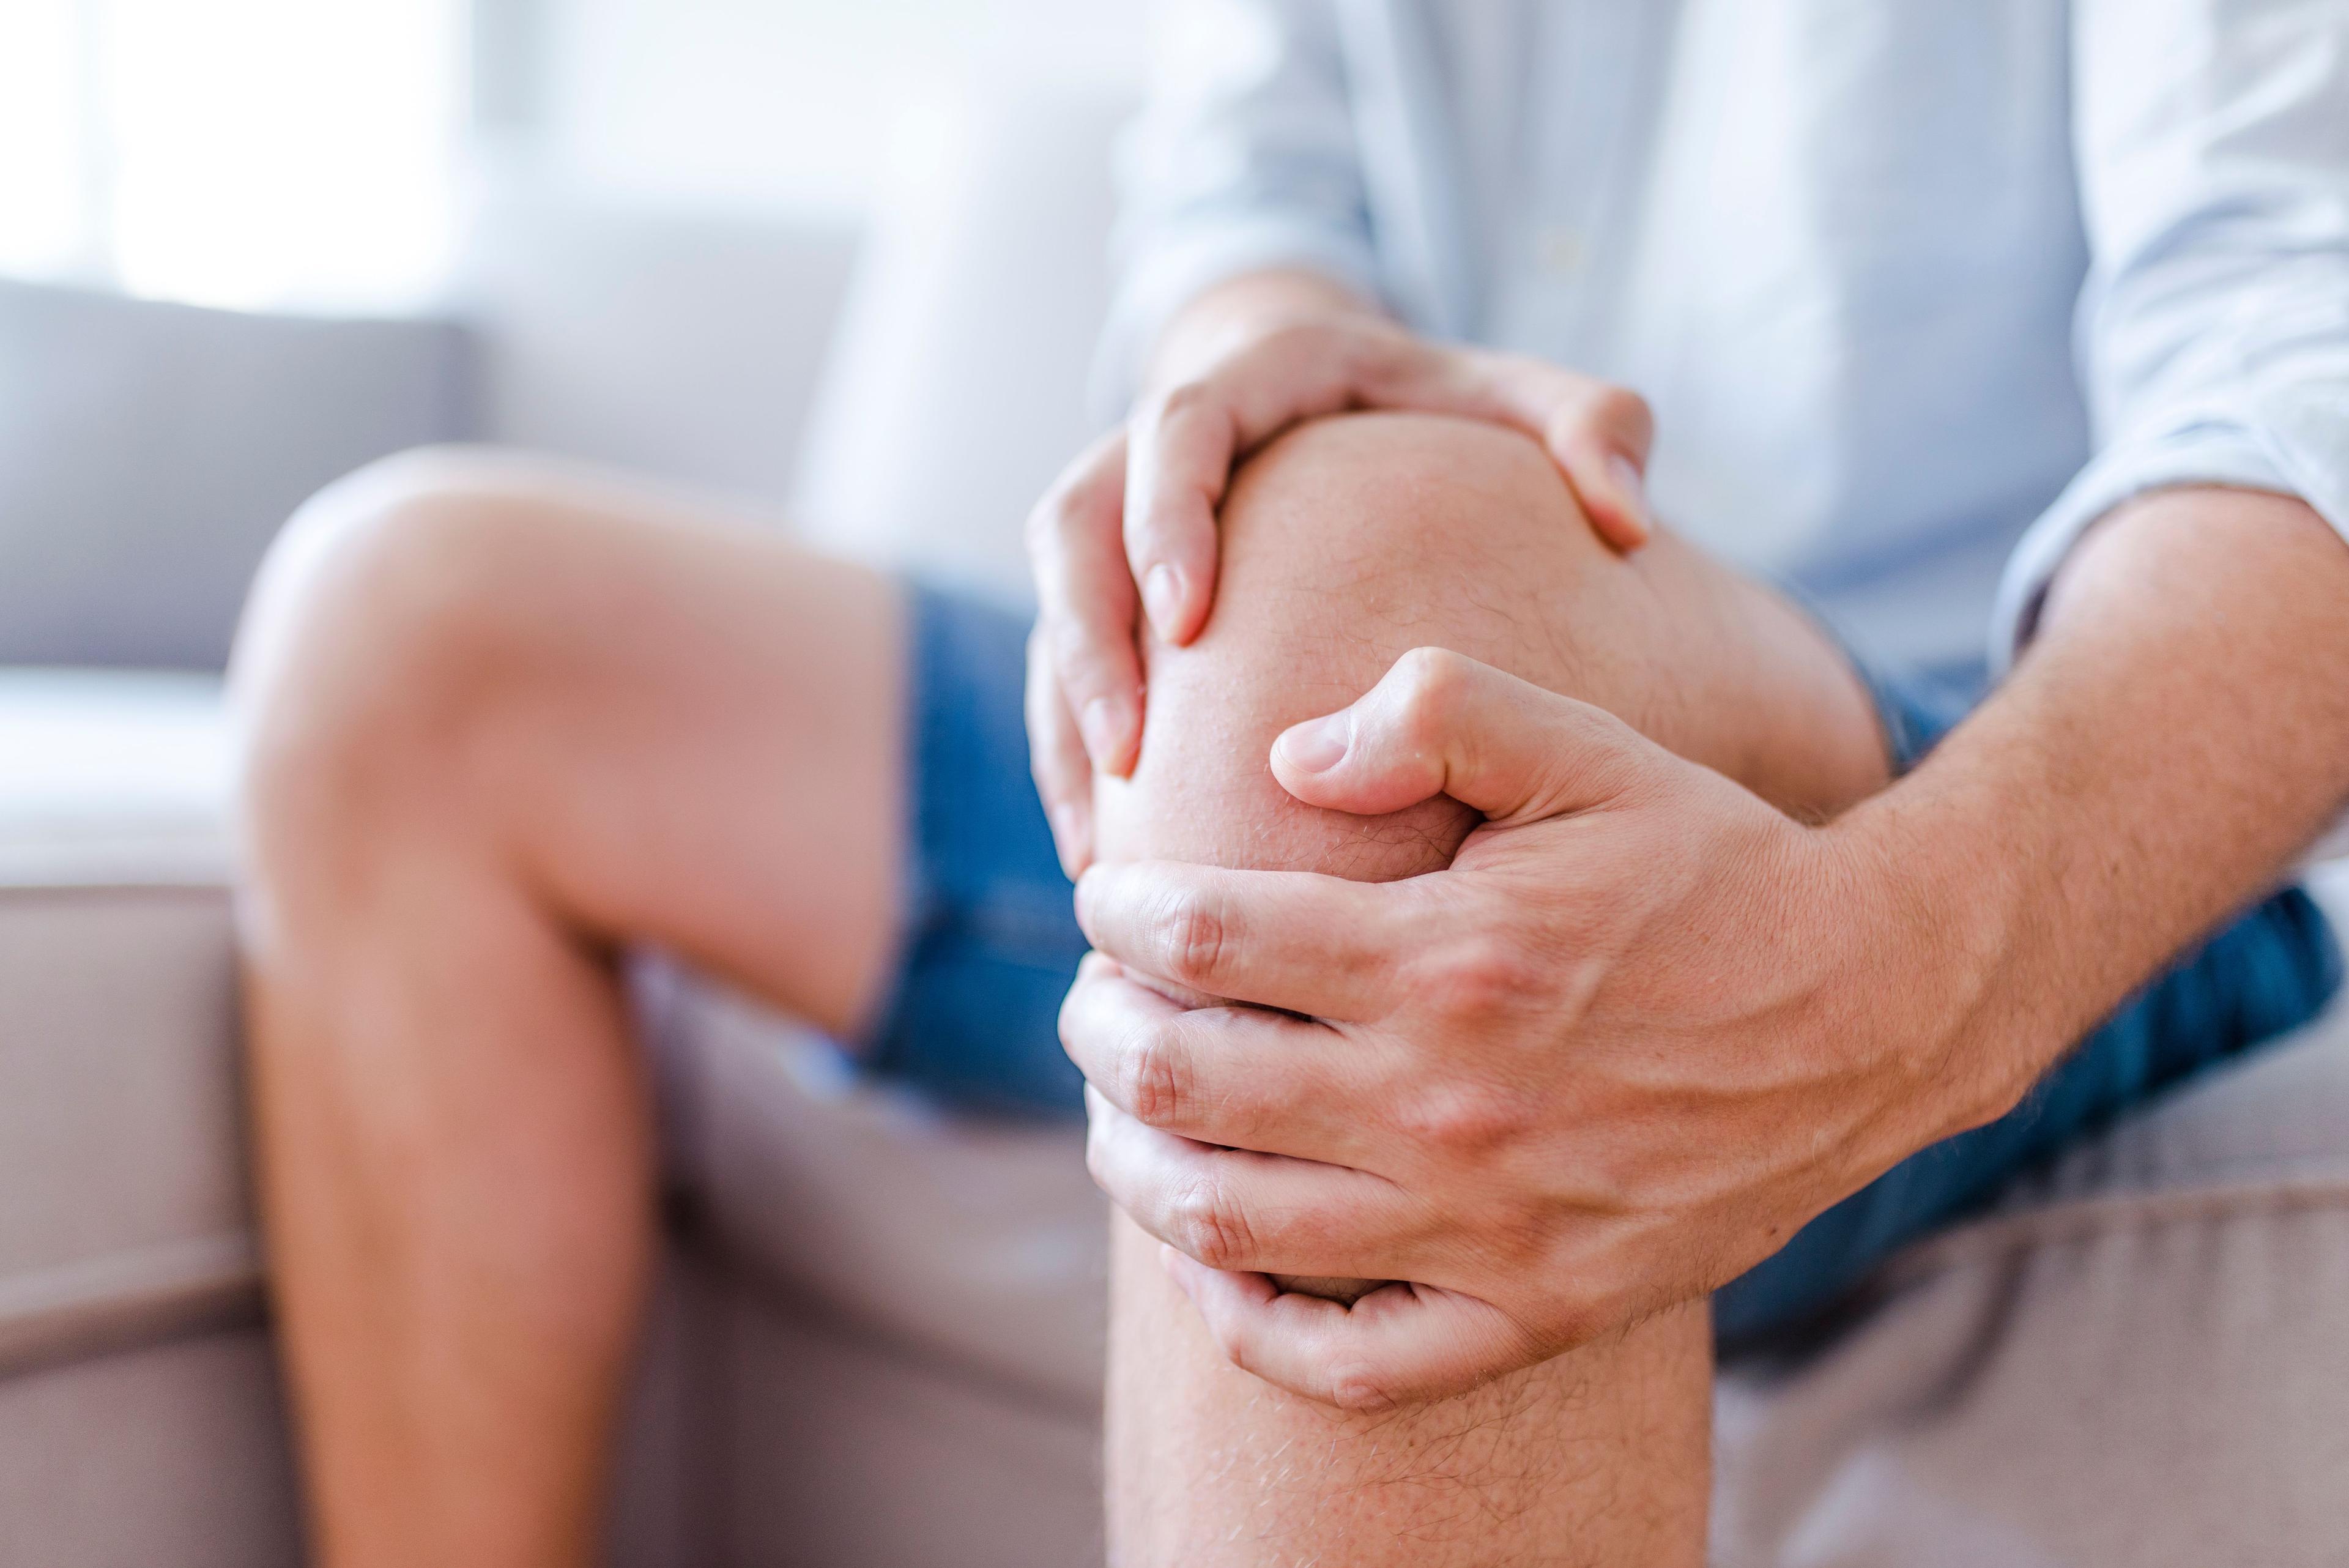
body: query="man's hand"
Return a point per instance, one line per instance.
(1130, 527)
(1635, 1036)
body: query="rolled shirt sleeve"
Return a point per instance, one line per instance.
(1243, 159)
(2213, 145)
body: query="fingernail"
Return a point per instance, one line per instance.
(1319, 744)
(1632, 484)
(1099, 725)
(1162, 593)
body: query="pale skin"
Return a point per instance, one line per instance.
(2170, 742)
(497, 718)
(492, 725)
(1343, 545)
(495, 727)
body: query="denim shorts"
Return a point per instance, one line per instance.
(990, 943)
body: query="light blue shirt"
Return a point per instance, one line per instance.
(1918, 288)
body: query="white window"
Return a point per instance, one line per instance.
(252, 153)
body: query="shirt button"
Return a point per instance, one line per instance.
(1561, 251)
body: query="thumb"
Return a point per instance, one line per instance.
(1440, 723)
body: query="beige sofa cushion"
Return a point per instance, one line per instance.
(2139, 1359)
(140, 1412)
(172, 1453)
(977, 1245)
(119, 1144)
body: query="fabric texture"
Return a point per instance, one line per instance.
(991, 945)
(991, 942)
(1845, 247)
(2132, 1357)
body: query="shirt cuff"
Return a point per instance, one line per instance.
(1169, 274)
(2296, 451)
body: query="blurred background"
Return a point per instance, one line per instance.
(716, 240)
(840, 263)
(305, 154)
(837, 261)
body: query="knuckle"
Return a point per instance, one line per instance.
(1157, 1082)
(1183, 401)
(1236, 1345)
(1436, 675)
(1479, 976)
(1196, 940)
(1310, 342)
(1361, 1387)
(1619, 407)
(1619, 403)
(1462, 1118)
(1206, 1224)
(1373, 348)
(1434, 681)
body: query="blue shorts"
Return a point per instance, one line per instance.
(991, 943)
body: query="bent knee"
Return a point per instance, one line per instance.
(1353, 540)
(377, 620)
(1403, 515)
(1345, 544)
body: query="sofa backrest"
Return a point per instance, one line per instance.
(681, 344)
(955, 388)
(149, 451)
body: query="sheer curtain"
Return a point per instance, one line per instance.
(252, 153)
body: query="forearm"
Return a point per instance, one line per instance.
(2177, 734)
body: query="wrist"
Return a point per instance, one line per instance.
(1944, 911)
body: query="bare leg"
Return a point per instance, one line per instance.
(497, 718)
(1345, 544)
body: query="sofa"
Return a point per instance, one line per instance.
(878, 1329)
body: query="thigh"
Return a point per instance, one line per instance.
(668, 722)
(795, 772)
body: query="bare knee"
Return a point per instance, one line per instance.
(1346, 544)
(372, 638)
(1410, 517)
(1353, 540)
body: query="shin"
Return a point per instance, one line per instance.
(1346, 544)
